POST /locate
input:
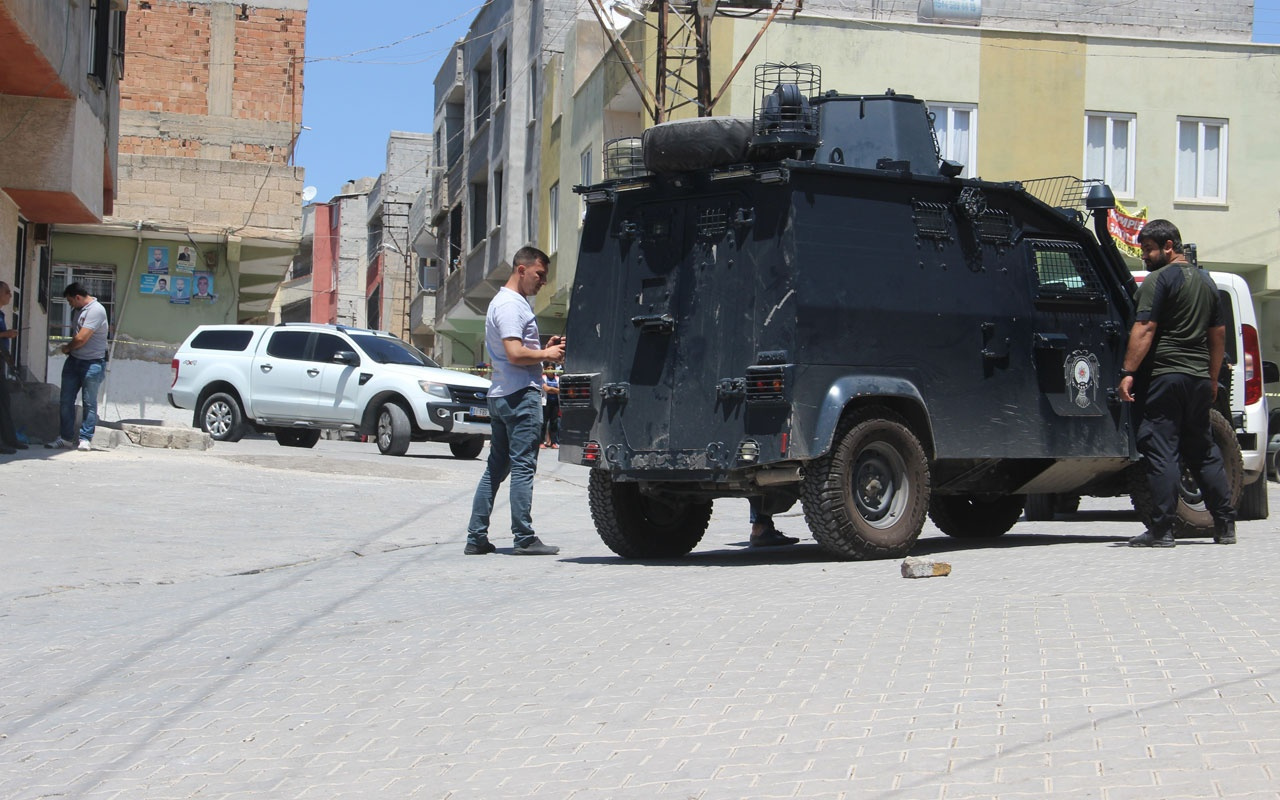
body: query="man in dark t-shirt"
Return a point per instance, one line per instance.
(1174, 355)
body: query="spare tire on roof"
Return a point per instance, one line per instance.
(686, 145)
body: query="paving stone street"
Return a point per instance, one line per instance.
(267, 622)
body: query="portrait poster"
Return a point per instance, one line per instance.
(153, 284)
(180, 290)
(158, 260)
(203, 287)
(186, 259)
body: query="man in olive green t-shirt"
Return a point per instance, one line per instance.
(1174, 355)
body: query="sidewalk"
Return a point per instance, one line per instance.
(257, 622)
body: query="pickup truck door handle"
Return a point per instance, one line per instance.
(313, 372)
(264, 367)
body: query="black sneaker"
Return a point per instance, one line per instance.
(480, 547)
(536, 548)
(1224, 532)
(1149, 539)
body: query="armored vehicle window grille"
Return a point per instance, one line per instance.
(996, 227)
(712, 222)
(1064, 274)
(932, 220)
(575, 391)
(766, 384)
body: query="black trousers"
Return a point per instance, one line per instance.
(1175, 422)
(7, 434)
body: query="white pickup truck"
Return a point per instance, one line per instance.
(297, 379)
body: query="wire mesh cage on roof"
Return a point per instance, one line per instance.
(1063, 191)
(782, 108)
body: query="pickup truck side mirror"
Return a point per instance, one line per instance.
(1270, 372)
(347, 357)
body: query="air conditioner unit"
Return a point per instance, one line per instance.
(428, 274)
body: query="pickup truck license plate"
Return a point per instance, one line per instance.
(480, 411)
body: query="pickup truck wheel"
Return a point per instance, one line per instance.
(634, 525)
(468, 448)
(393, 430)
(1192, 518)
(969, 517)
(221, 418)
(867, 498)
(297, 437)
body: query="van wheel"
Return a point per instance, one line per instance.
(1253, 500)
(968, 517)
(1192, 518)
(221, 418)
(867, 498)
(635, 525)
(468, 448)
(297, 437)
(393, 430)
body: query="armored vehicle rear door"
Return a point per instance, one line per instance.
(1078, 342)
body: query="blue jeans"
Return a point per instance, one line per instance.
(516, 423)
(83, 377)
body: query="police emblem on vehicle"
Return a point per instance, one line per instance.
(1082, 376)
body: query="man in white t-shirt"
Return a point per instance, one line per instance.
(515, 405)
(84, 369)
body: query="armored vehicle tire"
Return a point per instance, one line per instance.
(1040, 507)
(394, 430)
(964, 516)
(468, 448)
(297, 437)
(868, 496)
(1253, 500)
(221, 418)
(634, 525)
(1193, 519)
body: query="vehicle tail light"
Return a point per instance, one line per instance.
(575, 391)
(766, 385)
(174, 365)
(591, 454)
(1252, 365)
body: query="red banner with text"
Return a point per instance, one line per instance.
(1124, 228)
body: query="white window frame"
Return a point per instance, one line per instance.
(1200, 196)
(584, 162)
(553, 214)
(1108, 176)
(944, 115)
(61, 314)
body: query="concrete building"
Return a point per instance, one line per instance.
(1166, 100)
(393, 262)
(60, 67)
(485, 177)
(208, 196)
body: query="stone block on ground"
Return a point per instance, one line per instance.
(914, 567)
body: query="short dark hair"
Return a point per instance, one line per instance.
(74, 289)
(529, 255)
(1161, 231)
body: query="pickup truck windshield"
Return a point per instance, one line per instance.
(385, 350)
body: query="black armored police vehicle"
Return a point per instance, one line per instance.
(810, 305)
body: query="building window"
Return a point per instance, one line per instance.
(482, 95)
(373, 311)
(497, 198)
(534, 105)
(1202, 159)
(956, 126)
(455, 237)
(529, 219)
(1109, 149)
(479, 210)
(98, 280)
(100, 18)
(501, 66)
(553, 215)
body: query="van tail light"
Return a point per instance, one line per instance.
(1252, 365)
(175, 373)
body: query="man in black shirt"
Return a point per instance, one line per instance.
(1175, 346)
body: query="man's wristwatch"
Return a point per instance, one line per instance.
(1126, 373)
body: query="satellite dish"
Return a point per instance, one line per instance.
(308, 194)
